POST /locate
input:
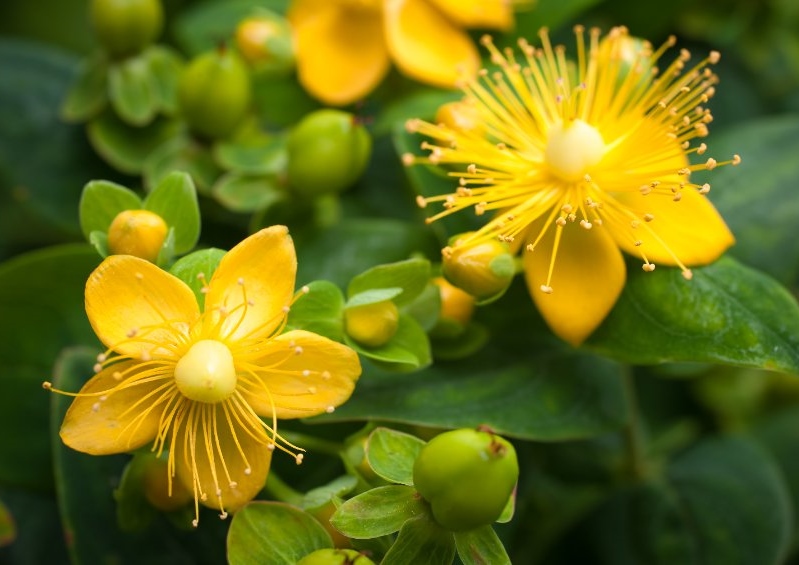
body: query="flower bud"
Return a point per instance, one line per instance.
(467, 476)
(156, 487)
(125, 27)
(372, 324)
(459, 115)
(266, 42)
(484, 269)
(137, 232)
(328, 150)
(456, 304)
(214, 93)
(335, 557)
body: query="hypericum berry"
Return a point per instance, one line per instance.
(137, 232)
(266, 42)
(125, 27)
(467, 476)
(456, 304)
(328, 151)
(214, 93)
(373, 324)
(335, 557)
(484, 269)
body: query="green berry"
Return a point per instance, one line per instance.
(467, 476)
(214, 93)
(328, 151)
(125, 27)
(335, 557)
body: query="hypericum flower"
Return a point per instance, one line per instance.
(345, 47)
(194, 382)
(583, 160)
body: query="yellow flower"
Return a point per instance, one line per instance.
(582, 160)
(196, 383)
(345, 47)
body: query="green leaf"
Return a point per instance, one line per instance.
(38, 319)
(372, 296)
(746, 195)
(727, 314)
(265, 156)
(133, 91)
(319, 311)
(408, 348)
(99, 240)
(101, 201)
(165, 65)
(422, 104)
(181, 154)
(481, 546)
(722, 502)
(241, 193)
(411, 276)
(126, 147)
(175, 200)
(273, 533)
(391, 454)
(196, 270)
(559, 397)
(377, 512)
(88, 95)
(320, 496)
(421, 542)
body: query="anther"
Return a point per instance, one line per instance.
(305, 289)
(648, 217)
(47, 385)
(240, 281)
(96, 407)
(330, 409)
(298, 458)
(704, 189)
(195, 522)
(421, 202)
(139, 276)
(132, 332)
(97, 367)
(711, 164)
(648, 267)
(325, 375)
(687, 274)
(248, 471)
(312, 390)
(546, 289)
(586, 225)
(223, 515)
(408, 159)
(561, 221)
(736, 159)
(297, 350)
(306, 373)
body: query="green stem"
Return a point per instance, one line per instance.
(281, 491)
(633, 437)
(311, 443)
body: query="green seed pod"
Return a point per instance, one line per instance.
(214, 93)
(372, 324)
(467, 477)
(335, 557)
(328, 151)
(125, 27)
(483, 269)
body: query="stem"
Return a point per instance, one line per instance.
(633, 437)
(311, 443)
(281, 491)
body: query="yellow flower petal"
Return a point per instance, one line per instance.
(211, 443)
(128, 298)
(113, 425)
(307, 374)
(252, 284)
(495, 14)
(588, 277)
(425, 45)
(341, 53)
(690, 230)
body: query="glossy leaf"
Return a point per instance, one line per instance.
(196, 270)
(181, 154)
(273, 533)
(241, 193)
(411, 276)
(481, 546)
(373, 296)
(320, 496)
(88, 94)
(165, 68)
(319, 311)
(133, 91)
(175, 200)
(391, 454)
(408, 348)
(556, 398)
(377, 512)
(126, 147)
(101, 201)
(421, 542)
(727, 314)
(263, 157)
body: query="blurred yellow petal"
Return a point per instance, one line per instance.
(588, 277)
(690, 230)
(304, 374)
(132, 304)
(495, 14)
(102, 424)
(425, 45)
(251, 286)
(341, 53)
(222, 460)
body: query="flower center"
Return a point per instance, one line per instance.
(572, 148)
(206, 372)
